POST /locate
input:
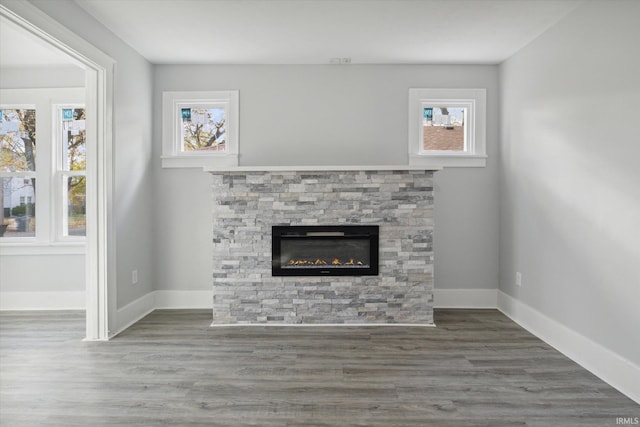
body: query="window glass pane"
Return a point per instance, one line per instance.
(17, 140)
(203, 129)
(18, 213)
(443, 128)
(76, 206)
(74, 138)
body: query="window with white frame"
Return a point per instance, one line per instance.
(200, 129)
(447, 127)
(71, 170)
(49, 181)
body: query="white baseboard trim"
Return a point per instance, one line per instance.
(612, 368)
(62, 300)
(465, 298)
(136, 310)
(75, 300)
(183, 299)
(133, 312)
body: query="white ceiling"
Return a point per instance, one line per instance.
(314, 31)
(18, 48)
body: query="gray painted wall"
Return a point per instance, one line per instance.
(133, 179)
(42, 273)
(328, 115)
(569, 174)
(41, 77)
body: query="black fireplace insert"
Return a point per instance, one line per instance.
(326, 250)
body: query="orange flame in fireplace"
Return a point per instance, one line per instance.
(318, 261)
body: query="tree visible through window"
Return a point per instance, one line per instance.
(43, 164)
(200, 129)
(17, 169)
(18, 198)
(203, 129)
(74, 138)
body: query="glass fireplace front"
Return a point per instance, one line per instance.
(341, 250)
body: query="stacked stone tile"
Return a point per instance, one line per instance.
(248, 204)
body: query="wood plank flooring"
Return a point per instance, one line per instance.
(477, 368)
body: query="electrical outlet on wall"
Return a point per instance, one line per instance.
(518, 278)
(134, 277)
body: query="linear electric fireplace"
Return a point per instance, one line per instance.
(340, 250)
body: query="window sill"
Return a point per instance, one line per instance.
(34, 248)
(449, 160)
(199, 161)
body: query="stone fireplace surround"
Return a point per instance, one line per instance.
(248, 202)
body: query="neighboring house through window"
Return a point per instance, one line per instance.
(447, 127)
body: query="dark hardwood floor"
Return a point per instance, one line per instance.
(477, 368)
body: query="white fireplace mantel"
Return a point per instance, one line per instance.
(310, 168)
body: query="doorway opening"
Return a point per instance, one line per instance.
(98, 78)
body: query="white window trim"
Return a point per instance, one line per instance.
(47, 239)
(475, 100)
(35, 248)
(172, 154)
